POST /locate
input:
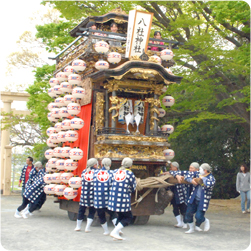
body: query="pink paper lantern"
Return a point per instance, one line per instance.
(75, 182)
(71, 136)
(60, 164)
(65, 151)
(48, 178)
(166, 54)
(74, 79)
(167, 129)
(68, 70)
(53, 138)
(65, 87)
(76, 154)
(51, 106)
(50, 143)
(66, 124)
(114, 57)
(78, 93)
(61, 76)
(101, 65)
(63, 112)
(69, 99)
(48, 153)
(169, 154)
(101, 47)
(77, 123)
(59, 102)
(56, 178)
(51, 93)
(50, 130)
(56, 152)
(70, 193)
(78, 65)
(71, 165)
(65, 177)
(74, 108)
(168, 101)
(49, 189)
(53, 82)
(59, 189)
(61, 137)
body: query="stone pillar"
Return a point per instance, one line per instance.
(7, 170)
(5, 139)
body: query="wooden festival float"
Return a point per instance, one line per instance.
(107, 104)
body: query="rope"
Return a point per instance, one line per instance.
(150, 183)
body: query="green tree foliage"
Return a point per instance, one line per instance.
(223, 145)
(39, 98)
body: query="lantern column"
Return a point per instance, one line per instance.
(5, 140)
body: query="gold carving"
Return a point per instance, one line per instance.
(154, 103)
(136, 57)
(115, 100)
(99, 110)
(154, 60)
(132, 138)
(122, 151)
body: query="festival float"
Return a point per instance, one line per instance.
(107, 104)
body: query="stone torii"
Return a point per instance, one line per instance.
(7, 98)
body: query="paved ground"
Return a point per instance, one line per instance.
(51, 229)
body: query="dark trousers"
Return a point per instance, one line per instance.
(124, 218)
(81, 212)
(101, 214)
(179, 208)
(32, 206)
(194, 209)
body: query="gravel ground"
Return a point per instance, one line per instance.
(51, 229)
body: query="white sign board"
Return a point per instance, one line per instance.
(138, 32)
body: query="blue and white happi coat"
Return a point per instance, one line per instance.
(32, 177)
(207, 189)
(101, 181)
(22, 176)
(123, 183)
(87, 190)
(35, 192)
(188, 187)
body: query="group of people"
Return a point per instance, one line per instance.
(107, 191)
(192, 198)
(114, 28)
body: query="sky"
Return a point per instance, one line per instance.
(15, 19)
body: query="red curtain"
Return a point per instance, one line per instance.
(83, 141)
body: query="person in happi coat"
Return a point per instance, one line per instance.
(194, 167)
(25, 173)
(179, 198)
(34, 193)
(123, 184)
(87, 195)
(199, 199)
(102, 181)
